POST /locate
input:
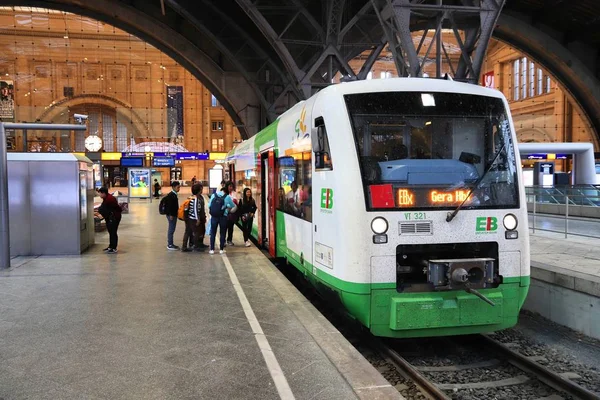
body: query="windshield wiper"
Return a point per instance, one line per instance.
(452, 214)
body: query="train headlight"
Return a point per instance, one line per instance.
(510, 222)
(379, 225)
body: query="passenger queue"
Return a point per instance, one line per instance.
(200, 218)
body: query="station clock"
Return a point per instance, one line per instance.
(93, 143)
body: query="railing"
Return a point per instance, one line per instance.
(569, 210)
(582, 195)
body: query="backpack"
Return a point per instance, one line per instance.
(162, 206)
(184, 209)
(217, 207)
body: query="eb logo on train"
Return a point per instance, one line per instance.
(486, 224)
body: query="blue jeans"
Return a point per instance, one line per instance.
(221, 223)
(172, 226)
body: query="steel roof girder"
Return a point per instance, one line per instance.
(370, 61)
(401, 17)
(265, 27)
(488, 23)
(334, 20)
(222, 48)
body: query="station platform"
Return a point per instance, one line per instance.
(565, 281)
(148, 323)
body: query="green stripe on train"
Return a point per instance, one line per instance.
(387, 312)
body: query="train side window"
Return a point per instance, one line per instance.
(320, 143)
(295, 185)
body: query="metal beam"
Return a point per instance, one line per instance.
(253, 44)
(334, 20)
(370, 61)
(314, 25)
(222, 48)
(363, 11)
(395, 17)
(392, 40)
(488, 19)
(267, 30)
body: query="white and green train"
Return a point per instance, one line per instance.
(401, 199)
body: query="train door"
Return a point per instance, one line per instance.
(325, 233)
(267, 226)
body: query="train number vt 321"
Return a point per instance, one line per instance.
(401, 199)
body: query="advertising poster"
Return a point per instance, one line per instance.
(139, 183)
(174, 112)
(7, 102)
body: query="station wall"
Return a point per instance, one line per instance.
(56, 64)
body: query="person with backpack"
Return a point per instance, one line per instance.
(111, 212)
(219, 205)
(247, 211)
(194, 217)
(169, 206)
(234, 214)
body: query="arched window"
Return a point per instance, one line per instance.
(104, 122)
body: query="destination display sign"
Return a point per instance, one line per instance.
(387, 196)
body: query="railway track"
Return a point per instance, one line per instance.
(515, 370)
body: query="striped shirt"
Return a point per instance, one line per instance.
(196, 208)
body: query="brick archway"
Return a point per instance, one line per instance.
(133, 119)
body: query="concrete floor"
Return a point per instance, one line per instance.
(147, 323)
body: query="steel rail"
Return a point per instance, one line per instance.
(427, 387)
(542, 373)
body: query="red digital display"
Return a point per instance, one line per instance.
(382, 196)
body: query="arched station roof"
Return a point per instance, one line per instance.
(261, 56)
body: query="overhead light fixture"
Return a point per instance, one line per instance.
(428, 100)
(428, 123)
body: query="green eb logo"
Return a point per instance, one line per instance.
(486, 224)
(327, 198)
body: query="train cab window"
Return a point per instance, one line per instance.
(295, 185)
(320, 143)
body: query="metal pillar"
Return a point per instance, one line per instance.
(4, 221)
(4, 229)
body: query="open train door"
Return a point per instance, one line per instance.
(267, 214)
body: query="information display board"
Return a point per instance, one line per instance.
(139, 183)
(163, 162)
(132, 162)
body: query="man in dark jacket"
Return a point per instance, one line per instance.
(195, 220)
(172, 207)
(111, 212)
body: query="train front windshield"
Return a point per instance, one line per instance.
(434, 150)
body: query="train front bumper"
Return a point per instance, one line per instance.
(442, 313)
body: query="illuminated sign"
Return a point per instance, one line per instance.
(387, 196)
(405, 197)
(163, 162)
(110, 156)
(217, 156)
(132, 162)
(457, 196)
(192, 156)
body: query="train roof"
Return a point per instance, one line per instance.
(430, 85)
(408, 85)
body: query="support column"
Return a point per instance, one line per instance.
(4, 227)
(206, 126)
(228, 132)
